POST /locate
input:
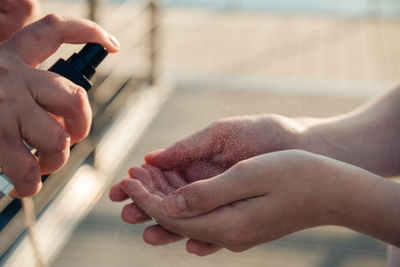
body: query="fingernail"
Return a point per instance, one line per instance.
(114, 40)
(174, 204)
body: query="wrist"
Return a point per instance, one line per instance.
(331, 191)
(320, 136)
(288, 133)
(338, 188)
(362, 201)
(306, 136)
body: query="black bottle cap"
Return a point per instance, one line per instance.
(88, 59)
(81, 67)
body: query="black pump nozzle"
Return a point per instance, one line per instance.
(81, 67)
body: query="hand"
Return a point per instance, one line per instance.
(31, 99)
(160, 184)
(213, 150)
(257, 200)
(16, 14)
(366, 137)
(226, 142)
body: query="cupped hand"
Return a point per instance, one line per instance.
(210, 152)
(226, 142)
(257, 200)
(159, 184)
(31, 99)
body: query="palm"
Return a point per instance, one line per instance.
(159, 184)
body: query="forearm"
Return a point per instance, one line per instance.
(368, 137)
(371, 205)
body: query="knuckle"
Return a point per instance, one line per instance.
(80, 99)
(52, 20)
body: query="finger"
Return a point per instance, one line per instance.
(116, 193)
(133, 215)
(228, 226)
(197, 146)
(201, 248)
(156, 235)
(143, 176)
(159, 179)
(202, 170)
(174, 179)
(35, 188)
(62, 97)
(202, 196)
(200, 228)
(41, 131)
(149, 203)
(41, 39)
(206, 228)
(20, 166)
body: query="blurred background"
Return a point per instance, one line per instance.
(182, 65)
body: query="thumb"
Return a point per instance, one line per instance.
(200, 197)
(37, 41)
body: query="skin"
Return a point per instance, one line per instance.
(367, 137)
(33, 102)
(14, 14)
(210, 152)
(267, 193)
